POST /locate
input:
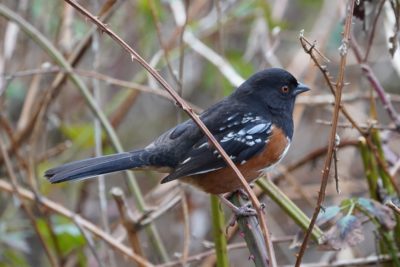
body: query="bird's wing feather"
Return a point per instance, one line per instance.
(241, 135)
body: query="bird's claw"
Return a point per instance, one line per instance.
(243, 211)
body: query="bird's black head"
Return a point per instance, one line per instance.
(274, 88)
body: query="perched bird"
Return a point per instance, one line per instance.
(254, 125)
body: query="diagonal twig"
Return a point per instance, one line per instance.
(127, 220)
(331, 145)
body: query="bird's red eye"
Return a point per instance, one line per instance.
(285, 89)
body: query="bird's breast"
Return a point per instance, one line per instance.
(225, 180)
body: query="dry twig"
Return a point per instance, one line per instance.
(128, 221)
(331, 145)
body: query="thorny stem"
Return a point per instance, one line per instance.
(309, 48)
(181, 103)
(331, 145)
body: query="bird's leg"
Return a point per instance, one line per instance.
(241, 192)
(244, 210)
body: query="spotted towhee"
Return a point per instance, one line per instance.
(254, 125)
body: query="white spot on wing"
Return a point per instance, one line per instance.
(232, 117)
(203, 145)
(227, 137)
(186, 160)
(258, 128)
(250, 143)
(205, 171)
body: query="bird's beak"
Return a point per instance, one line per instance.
(301, 88)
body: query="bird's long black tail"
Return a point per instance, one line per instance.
(95, 166)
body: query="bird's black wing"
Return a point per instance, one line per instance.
(242, 135)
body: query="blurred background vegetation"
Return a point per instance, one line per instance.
(58, 75)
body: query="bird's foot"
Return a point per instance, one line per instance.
(245, 210)
(238, 212)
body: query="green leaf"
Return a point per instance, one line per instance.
(346, 203)
(383, 214)
(327, 215)
(68, 234)
(16, 90)
(347, 224)
(81, 134)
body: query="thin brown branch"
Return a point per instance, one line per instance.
(182, 48)
(8, 129)
(127, 221)
(99, 76)
(57, 208)
(89, 242)
(181, 103)
(186, 234)
(310, 48)
(387, 104)
(53, 151)
(162, 44)
(331, 145)
(365, 127)
(297, 185)
(319, 152)
(325, 99)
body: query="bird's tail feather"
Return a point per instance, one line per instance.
(95, 166)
